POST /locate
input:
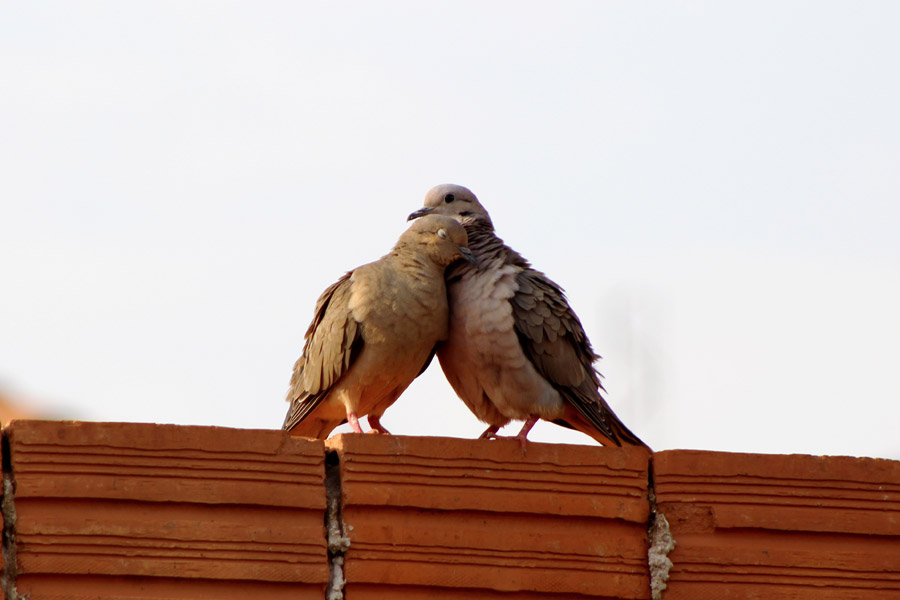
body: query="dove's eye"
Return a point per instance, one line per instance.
(449, 198)
(442, 233)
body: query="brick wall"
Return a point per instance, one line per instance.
(137, 511)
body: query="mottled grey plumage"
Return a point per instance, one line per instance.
(374, 331)
(515, 349)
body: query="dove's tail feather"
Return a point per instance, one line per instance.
(314, 428)
(620, 434)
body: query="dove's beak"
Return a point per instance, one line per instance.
(467, 254)
(425, 210)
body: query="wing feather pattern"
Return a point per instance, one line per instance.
(333, 341)
(553, 339)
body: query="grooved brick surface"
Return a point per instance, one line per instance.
(455, 516)
(750, 526)
(158, 512)
(181, 512)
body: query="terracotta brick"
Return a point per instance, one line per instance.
(752, 526)
(118, 510)
(140, 512)
(442, 517)
(406, 592)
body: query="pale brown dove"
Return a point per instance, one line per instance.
(516, 350)
(374, 331)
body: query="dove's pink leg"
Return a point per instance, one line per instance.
(354, 422)
(375, 424)
(522, 436)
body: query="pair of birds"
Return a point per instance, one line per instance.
(505, 336)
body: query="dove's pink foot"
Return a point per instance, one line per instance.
(375, 424)
(354, 422)
(522, 436)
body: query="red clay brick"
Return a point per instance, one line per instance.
(140, 512)
(752, 526)
(197, 507)
(477, 517)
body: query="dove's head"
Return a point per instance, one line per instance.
(454, 201)
(442, 239)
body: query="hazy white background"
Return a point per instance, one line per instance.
(716, 185)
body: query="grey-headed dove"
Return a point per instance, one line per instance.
(515, 349)
(374, 331)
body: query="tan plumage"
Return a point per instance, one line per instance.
(515, 349)
(374, 331)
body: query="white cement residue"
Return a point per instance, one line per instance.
(661, 543)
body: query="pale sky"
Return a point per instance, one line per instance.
(716, 185)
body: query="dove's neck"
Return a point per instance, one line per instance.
(488, 248)
(417, 264)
